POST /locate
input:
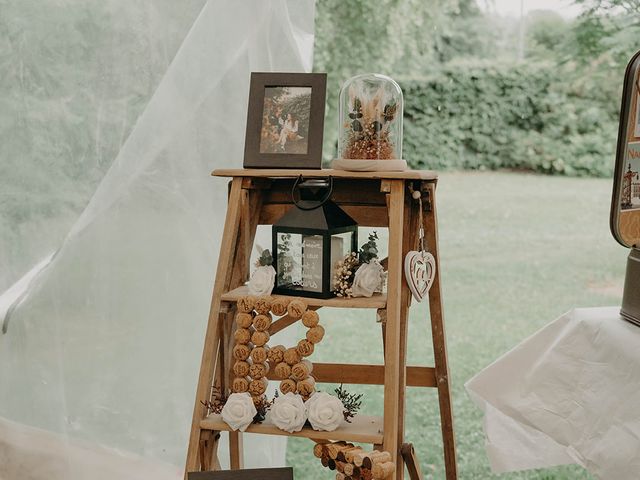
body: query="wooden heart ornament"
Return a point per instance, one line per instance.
(420, 271)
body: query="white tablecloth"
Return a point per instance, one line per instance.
(570, 393)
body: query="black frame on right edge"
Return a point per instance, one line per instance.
(626, 108)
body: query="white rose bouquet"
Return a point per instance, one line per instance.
(263, 277)
(288, 412)
(369, 279)
(238, 412)
(325, 411)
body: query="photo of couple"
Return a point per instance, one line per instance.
(285, 120)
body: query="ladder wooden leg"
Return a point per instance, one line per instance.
(440, 346)
(236, 450)
(410, 458)
(392, 409)
(409, 242)
(209, 441)
(212, 336)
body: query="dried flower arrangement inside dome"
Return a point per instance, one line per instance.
(370, 128)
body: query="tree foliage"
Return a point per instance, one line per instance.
(490, 116)
(470, 100)
(386, 36)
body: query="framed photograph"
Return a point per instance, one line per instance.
(285, 120)
(285, 473)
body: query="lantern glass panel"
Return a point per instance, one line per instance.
(300, 261)
(289, 266)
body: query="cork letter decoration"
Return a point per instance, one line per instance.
(253, 356)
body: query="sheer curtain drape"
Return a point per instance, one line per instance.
(99, 361)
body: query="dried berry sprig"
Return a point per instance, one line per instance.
(263, 405)
(216, 401)
(265, 259)
(351, 401)
(345, 271)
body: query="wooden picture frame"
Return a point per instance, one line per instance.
(285, 120)
(285, 473)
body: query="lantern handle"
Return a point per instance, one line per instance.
(297, 203)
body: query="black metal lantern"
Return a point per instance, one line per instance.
(310, 239)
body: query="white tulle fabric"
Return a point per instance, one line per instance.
(99, 362)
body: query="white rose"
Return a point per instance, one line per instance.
(262, 280)
(239, 411)
(288, 412)
(369, 278)
(325, 411)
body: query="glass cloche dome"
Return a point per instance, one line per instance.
(370, 128)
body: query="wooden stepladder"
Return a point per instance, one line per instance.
(372, 199)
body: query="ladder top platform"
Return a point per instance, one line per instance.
(428, 175)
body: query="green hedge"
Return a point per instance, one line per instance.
(526, 117)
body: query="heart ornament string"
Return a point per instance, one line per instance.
(419, 266)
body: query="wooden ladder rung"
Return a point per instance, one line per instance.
(364, 374)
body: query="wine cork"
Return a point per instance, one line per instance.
(291, 356)
(241, 352)
(245, 304)
(306, 387)
(331, 464)
(301, 370)
(340, 466)
(244, 320)
(359, 458)
(324, 460)
(351, 470)
(242, 335)
(334, 448)
(365, 474)
(341, 454)
(279, 306)
(296, 308)
(260, 354)
(241, 369)
(351, 452)
(305, 348)
(287, 386)
(315, 334)
(258, 387)
(310, 318)
(240, 385)
(318, 448)
(341, 476)
(375, 457)
(262, 322)
(259, 338)
(258, 370)
(282, 370)
(276, 354)
(380, 471)
(262, 305)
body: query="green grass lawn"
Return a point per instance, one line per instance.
(517, 251)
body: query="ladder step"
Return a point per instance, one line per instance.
(378, 300)
(363, 428)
